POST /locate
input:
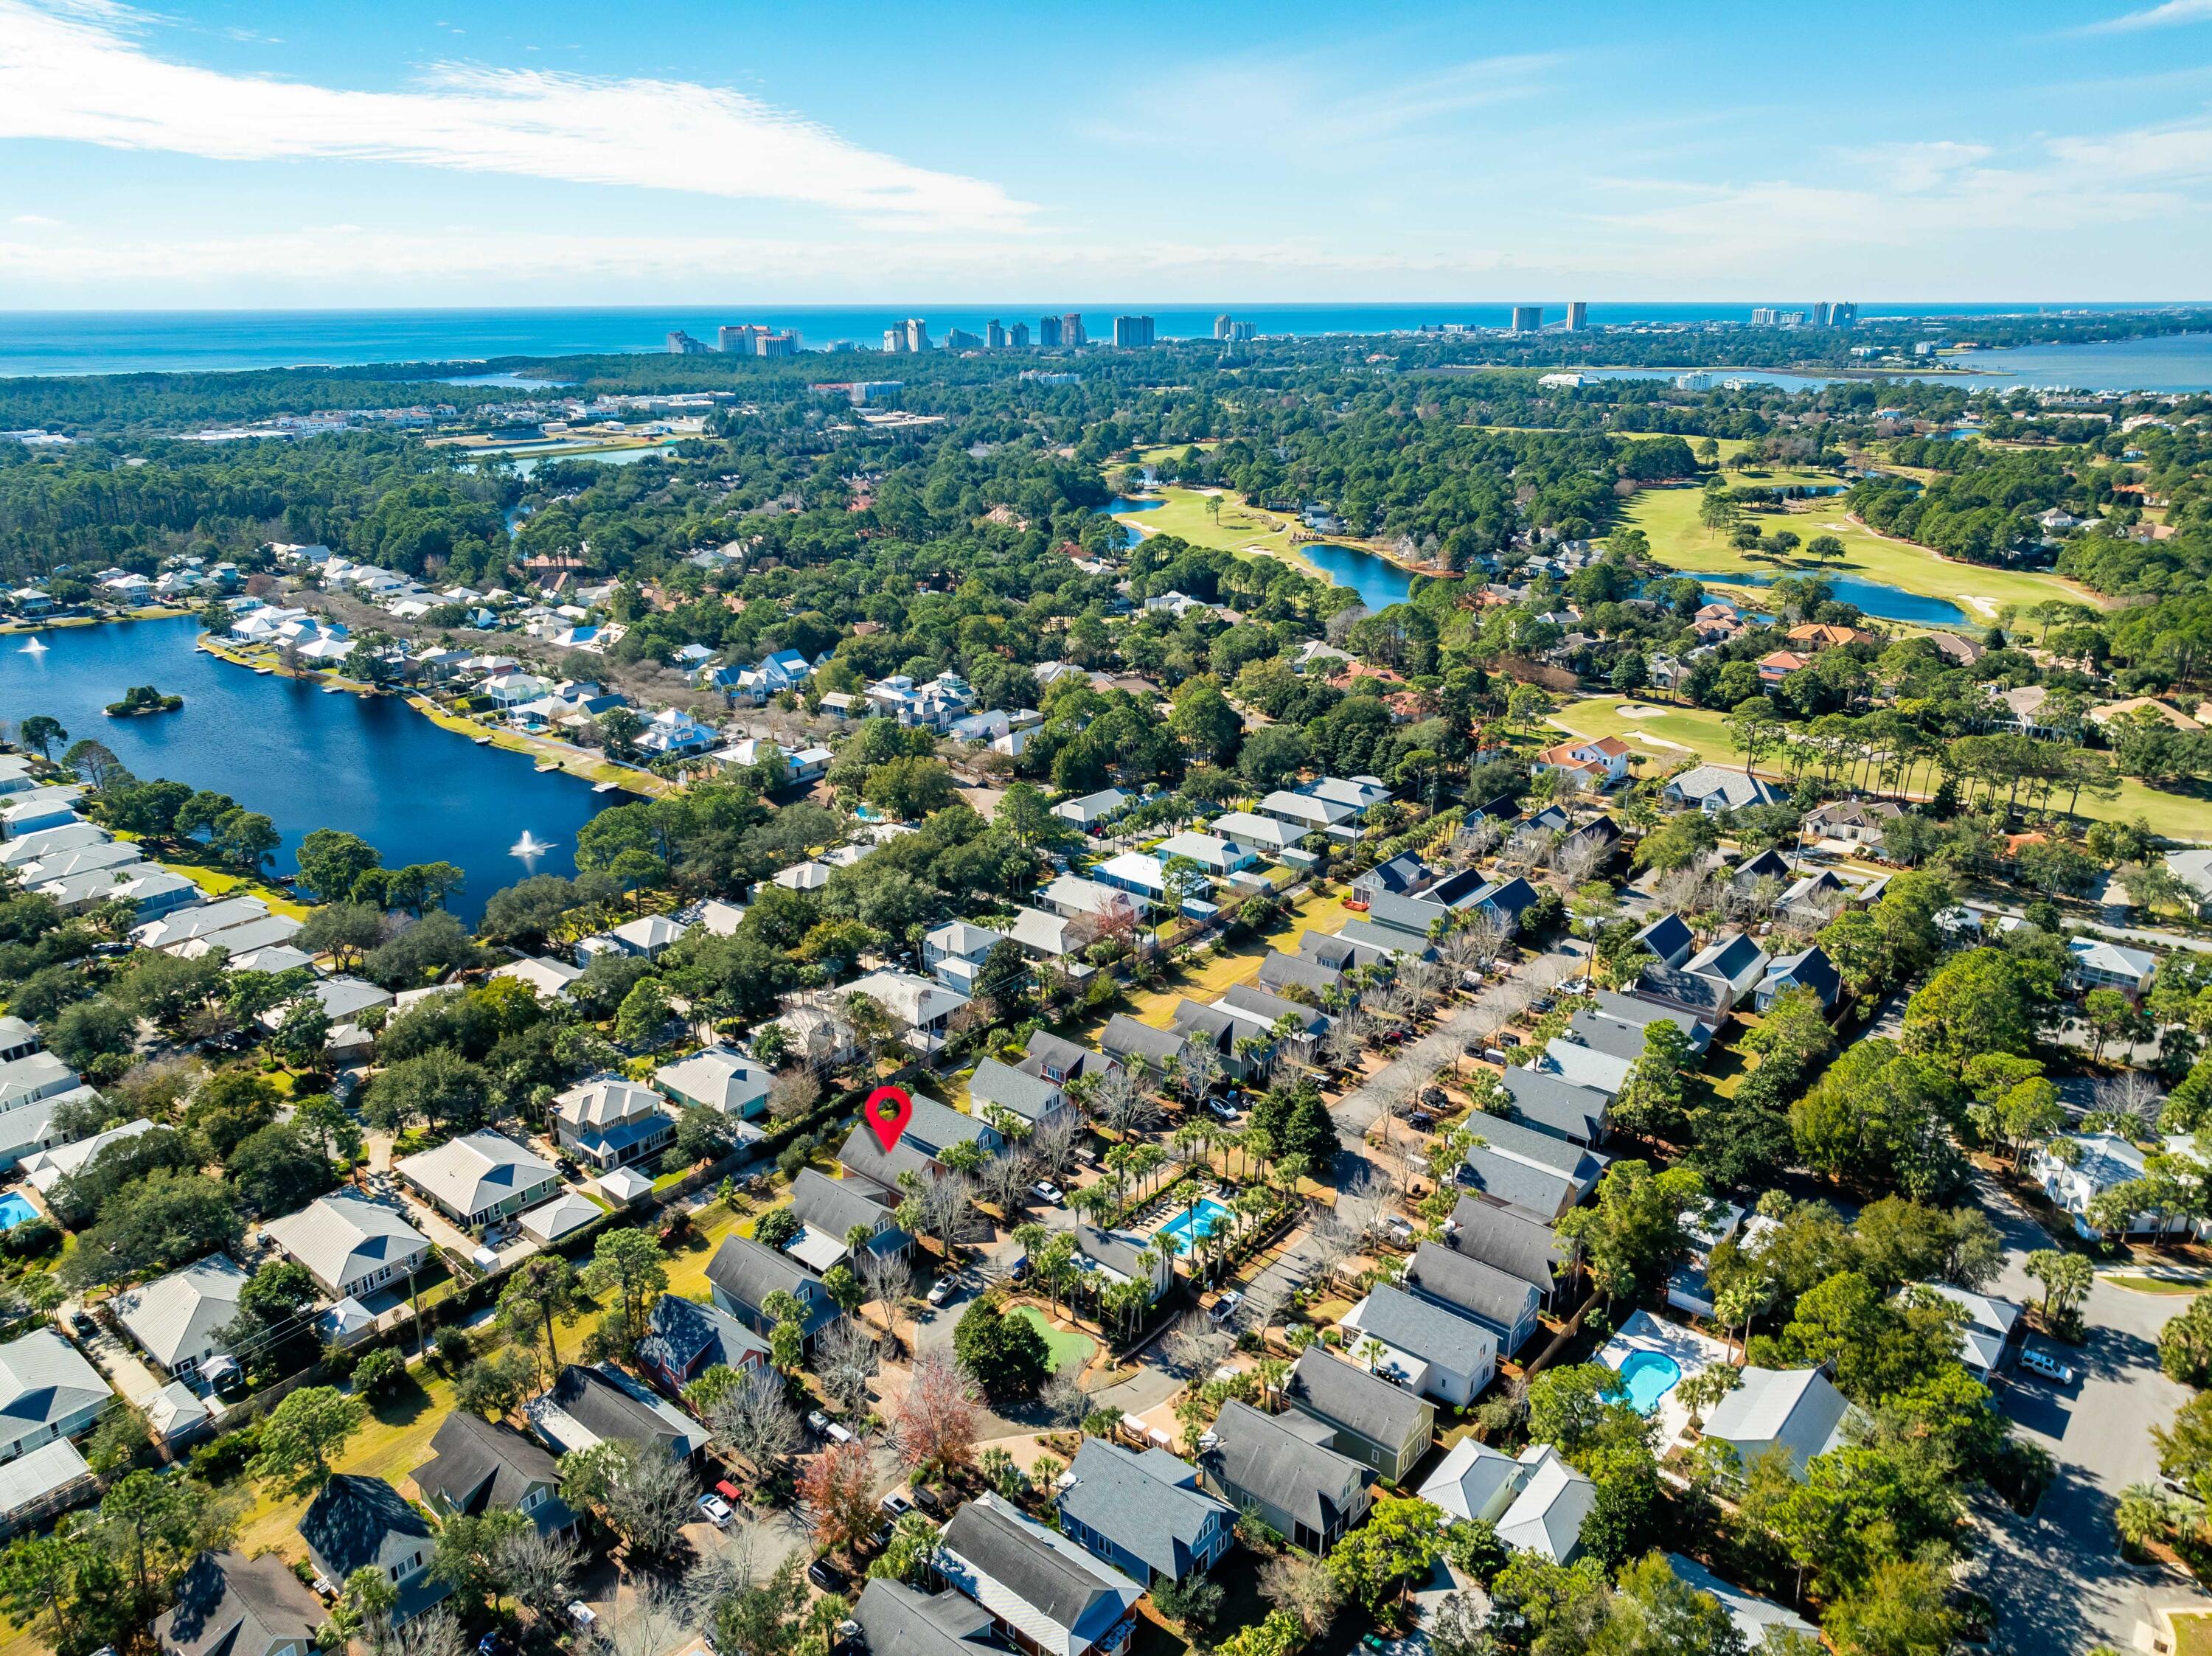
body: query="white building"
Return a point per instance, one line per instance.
(350, 1245)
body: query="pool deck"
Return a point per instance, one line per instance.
(1211, 1210)
(1690, 1350)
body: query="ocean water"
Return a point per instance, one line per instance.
(120, 342)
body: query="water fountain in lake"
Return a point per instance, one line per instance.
(37, 647)
(529, 847)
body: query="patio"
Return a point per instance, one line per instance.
(1687, 1349)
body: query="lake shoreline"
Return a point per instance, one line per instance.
(564, 756)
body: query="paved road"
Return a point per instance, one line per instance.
(2149, 936)
(2057, 1578)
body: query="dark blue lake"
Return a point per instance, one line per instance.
(306, 758)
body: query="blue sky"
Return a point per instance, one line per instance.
(398, 153)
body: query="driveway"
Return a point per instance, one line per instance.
(2057, 1578)
(113, 1357)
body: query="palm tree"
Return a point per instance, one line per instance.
(2144, 1513)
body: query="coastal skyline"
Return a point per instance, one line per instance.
(248, 154)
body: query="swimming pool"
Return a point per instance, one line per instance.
(1203, 1221)
(15, 1210)
(1649, 1376)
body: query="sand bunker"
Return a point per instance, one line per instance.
(1632, 710)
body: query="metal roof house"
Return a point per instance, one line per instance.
(1281, 1465)
(1546, 1515)
(174, 1318)
(611, 1123)
(350, 1245)
(1143, 1514)
(47, 1392)
(1387, 1427)
(1043, 1591)
(1474, 1481)
(1797, 1411)
(480, 1178)
(718, 1079)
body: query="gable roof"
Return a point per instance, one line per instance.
(1555, 1101)
(1049, 1573)
(1735, 958)
(835, 1205)
(1128, 1039)
(346, 1525)
(679, 1330)
(229, 1604)
(1260, 1454)
(896, 1621)
(1797, 1408)
(43, 1382)
(1030, 1097)
(175, 1315)
(1328, 1388)
(1280, 971)
(1407, 1322)
(341, 1236)
(1668, 937)
(1519, 1243)
(1494, 1297)
(1547, 1515)
(1470, 1479)
(610, 1405)
(1148, 1504)
(477, 1171)
(1538, 1190)
(749, 1272)
(476, 1465)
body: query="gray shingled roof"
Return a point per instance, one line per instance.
(1542, 1191)
(1258, 1453)
(1484, 1292)
(1279, 971)
(1407, 1322)
(835, 1205)
(229, 1604)
(896, 1621)
(1129, 1040)
(1552, 1101)
(681, 1329)
(1030, 1097)
(1518, 1138)
(1516, 1243)
(479, 1463)
(346, 1524)
(602, 1408)
(1330, 1389)
(749, 1272)
(1062, 1589)
(1148, 1504)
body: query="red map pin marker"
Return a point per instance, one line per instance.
(887, 1110)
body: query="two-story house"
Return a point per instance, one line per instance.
(363, 1523)
(611, 1123)
(477, 1464)
(229, 1604)
(1143, 1514)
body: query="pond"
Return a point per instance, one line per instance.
(1874, 596)
(306, 757)
(1379, 582)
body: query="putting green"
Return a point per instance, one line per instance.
(1070, 1350)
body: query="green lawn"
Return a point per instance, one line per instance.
(1674, 733)
(1069, 1349)
(1669, 517)
(1240, 528)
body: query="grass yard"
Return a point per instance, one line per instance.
(1241, 965)
(219, 881)
(1672, 733)
(394, 1442)
(1669, 517)
(2136, 1282)
(2192, 1635)
(1070, 1349)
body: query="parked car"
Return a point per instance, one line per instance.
(827, 1576)
(581, 1613)
(85, 1327)
(2043, 1364)
(1423, 1119)
(567, 1166)
(1225, 1308)
(1435, 1099)
(939, 1291)
(715, 1510)
(929, 1501)
(898, 1503)
(495, 1644)
(728, 1491)
(1048, 1192)
(817, 1423)
(1221, 1109)
(1494, 1055)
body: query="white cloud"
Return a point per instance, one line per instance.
(35, 221)
(72, 71)
(2174, 11)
